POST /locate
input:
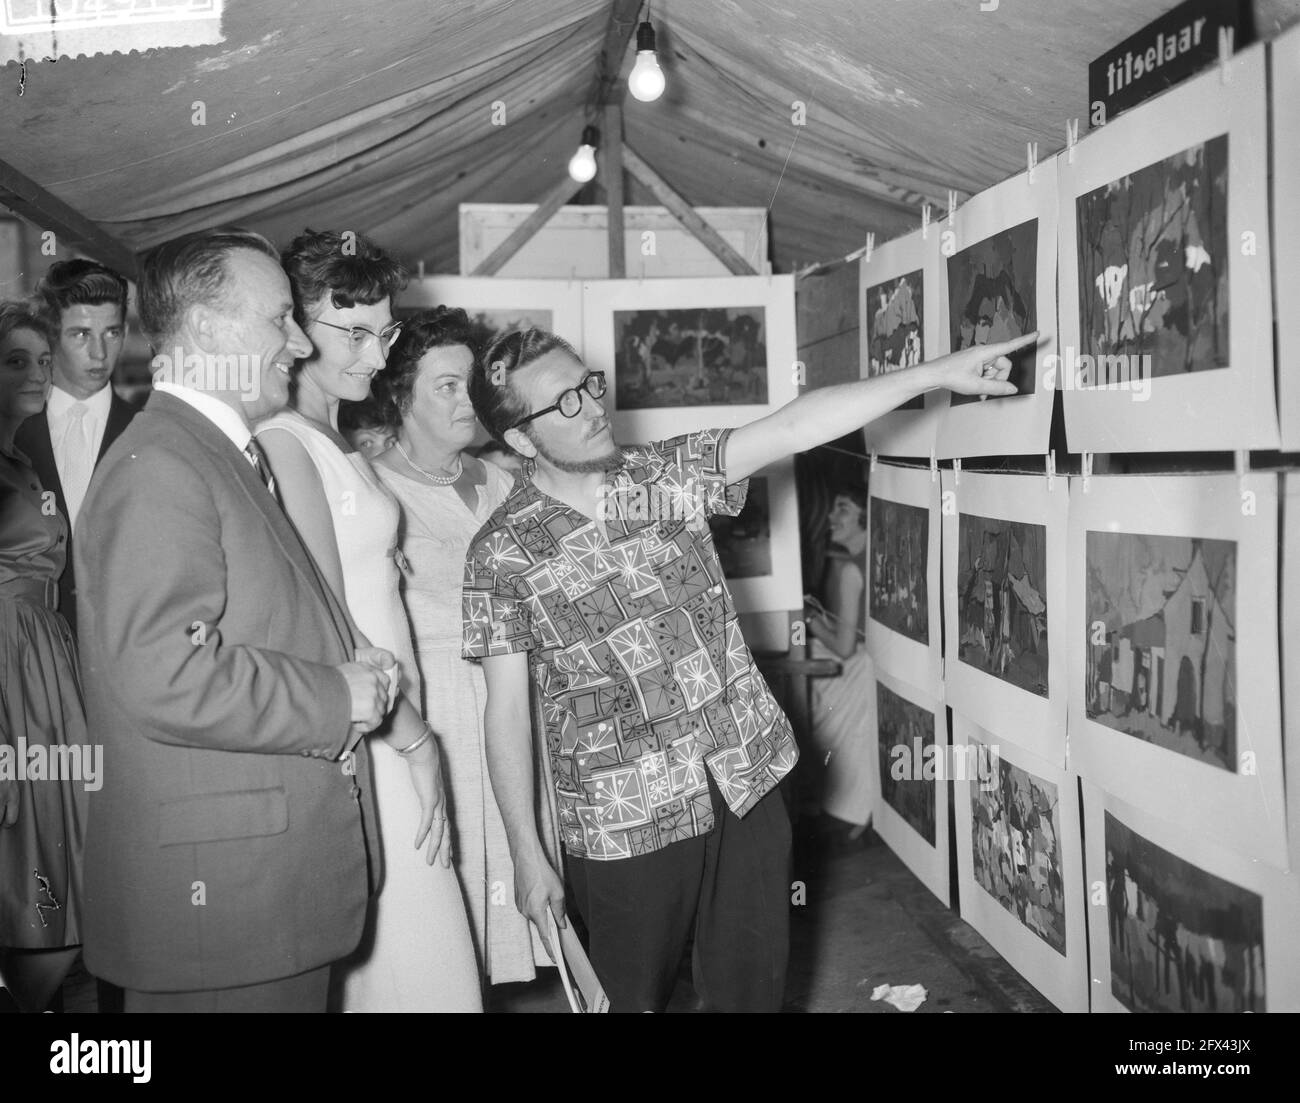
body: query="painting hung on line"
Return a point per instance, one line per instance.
(744, 542)
(993, 297)
(1016, 839)
(1001, 600)
(709, 357)
(1161, 649)
(899, 545)
(1181, 939)
(1153, 268)
(895, 328)
(900, 723)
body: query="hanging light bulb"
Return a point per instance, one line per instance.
(582, 166)
(646, 81)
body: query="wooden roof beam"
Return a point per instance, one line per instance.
(618, 33)
(559, 195)
(22, 194)
(681, 210)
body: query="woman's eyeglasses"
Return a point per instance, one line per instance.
(570, 402)
(359, 335)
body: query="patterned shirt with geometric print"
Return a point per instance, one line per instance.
(634, 648)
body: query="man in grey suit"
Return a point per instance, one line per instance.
(227, 859)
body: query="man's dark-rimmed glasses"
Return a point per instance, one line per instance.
(570, 402)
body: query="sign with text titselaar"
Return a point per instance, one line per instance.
(1181, 42)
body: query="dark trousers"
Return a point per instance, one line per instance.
(731, 887)
(305, 992)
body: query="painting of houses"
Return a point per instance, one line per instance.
(1161, 655)
(1181, 939)
(1001, 599)
(899, 552)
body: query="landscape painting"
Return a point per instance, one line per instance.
(1161, 641)
(1153, 266)
(709, 357)
(1181, 939)
(898, 550)
(901, 723)
(895, 317)
(993, 297)
(1002, 600)
(1016, 845)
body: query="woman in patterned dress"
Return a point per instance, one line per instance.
(41, 706)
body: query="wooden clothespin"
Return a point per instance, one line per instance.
(956, 472)
(1085, 468)
(1225, 54)
(1241, 464)
(1031, 155)
(925, 221)
(1051, 470)
(952, 208)
(934, 467)
(872, 461)
(419, 268)
(871, 247)
(1071, 139)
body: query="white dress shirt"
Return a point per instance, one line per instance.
(75, 469)
(216, 411)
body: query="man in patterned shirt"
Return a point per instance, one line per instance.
(596, 583)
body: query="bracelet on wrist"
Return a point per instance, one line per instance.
(424, 738)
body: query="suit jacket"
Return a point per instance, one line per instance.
(227, 846)
(35, 441)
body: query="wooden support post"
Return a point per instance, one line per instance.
(560, 194)
(23, 195)
(612, 144)
(613, 51)
(685, 214)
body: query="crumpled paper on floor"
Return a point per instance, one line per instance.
(906, 997)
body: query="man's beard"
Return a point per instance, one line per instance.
(612, 459)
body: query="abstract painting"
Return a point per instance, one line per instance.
(1161, 641)
(1166, 270)
(895, 338)
(993, 297)
(744, 542)
(713, 356)
(1016, 840)
(1180, 938)
(1153, 266)
(1002, 600)
(902, 723)
(898, 560)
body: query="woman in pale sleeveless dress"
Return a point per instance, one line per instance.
(843, 706)
(416, 953)
(446, 496)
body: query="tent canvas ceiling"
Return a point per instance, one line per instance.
(378, 117)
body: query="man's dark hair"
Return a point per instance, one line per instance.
(346, 268)
(856, 493)
(437, 327)
(187, 271)
(79, 283)
(496, 402)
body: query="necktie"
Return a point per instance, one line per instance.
(257, 458)
(78, 463)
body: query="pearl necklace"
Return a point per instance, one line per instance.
(437, 480)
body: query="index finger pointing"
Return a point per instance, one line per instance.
(1005, 347)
